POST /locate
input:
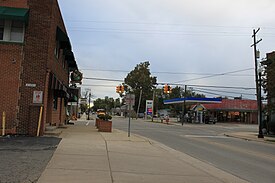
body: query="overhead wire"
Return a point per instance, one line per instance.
(159, 72)
(214, 75)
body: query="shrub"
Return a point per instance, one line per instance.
(105, 117)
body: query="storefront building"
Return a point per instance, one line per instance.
(230, 110)
(36, 60)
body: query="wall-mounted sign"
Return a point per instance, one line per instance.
(31, 85)
(37, 97)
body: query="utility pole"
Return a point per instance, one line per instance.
(89, 108)
(139, 100)
(184, 105)
(258, 82)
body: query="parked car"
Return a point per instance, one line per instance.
(210, 119)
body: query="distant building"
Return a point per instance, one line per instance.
(36, 60)
(231, 110)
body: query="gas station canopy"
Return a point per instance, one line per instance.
(192, 100)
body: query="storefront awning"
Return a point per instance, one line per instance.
(69, 57)
(63, 39)
(21, 14)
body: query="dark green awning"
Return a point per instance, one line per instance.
(69, 57)
(63, 39)
(21, 14)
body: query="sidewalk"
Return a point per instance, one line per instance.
(85, 155)
(252, 137)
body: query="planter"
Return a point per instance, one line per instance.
(97, 122)
(104, 126)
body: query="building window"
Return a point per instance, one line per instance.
(55, 103)
(1, 29)
(12, 31)
(17, 31)
(57, 49)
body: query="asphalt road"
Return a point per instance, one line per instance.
(249, 160)
(23, 159)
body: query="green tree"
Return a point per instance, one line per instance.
(106, 103)
(140, 79)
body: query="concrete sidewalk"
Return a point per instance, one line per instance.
(251, 136)
(85, 155)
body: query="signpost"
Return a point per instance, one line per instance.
(130, 101)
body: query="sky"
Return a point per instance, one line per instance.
(198, 43)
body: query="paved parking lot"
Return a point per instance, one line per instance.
(23, 159)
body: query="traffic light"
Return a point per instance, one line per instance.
(118, 89)
(167, 89)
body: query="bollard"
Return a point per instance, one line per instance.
(39, 121)
(4, 123)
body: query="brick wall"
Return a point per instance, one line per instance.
(35, 59)
(14, 3)
(10, 60)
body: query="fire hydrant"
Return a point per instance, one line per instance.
(167, 119)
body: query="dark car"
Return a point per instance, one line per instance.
(210, 119)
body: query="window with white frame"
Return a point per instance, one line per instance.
(12, 30)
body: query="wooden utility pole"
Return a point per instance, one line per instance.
(258, 82)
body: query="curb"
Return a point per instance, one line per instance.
(268, 141)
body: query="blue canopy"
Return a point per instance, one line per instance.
(192, 100)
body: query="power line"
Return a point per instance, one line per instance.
(161, 83)
(174, 33)
(104, 79)
(214, 75)
(163, 23)
(112, 86)
(242, 93)
(161, 72)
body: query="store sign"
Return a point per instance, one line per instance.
(149, 107)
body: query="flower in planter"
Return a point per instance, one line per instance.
(105, 117)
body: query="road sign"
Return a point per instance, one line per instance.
(130, 99)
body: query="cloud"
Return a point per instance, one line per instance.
(185, 36)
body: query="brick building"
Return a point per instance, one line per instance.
(36, 60)
(270, 75)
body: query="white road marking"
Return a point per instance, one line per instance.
(205, 136)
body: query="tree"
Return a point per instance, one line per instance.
(106, 103)
(140, 79)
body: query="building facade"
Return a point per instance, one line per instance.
(270, 87)
(230, 110)
(36, 60)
